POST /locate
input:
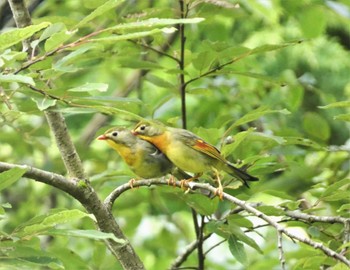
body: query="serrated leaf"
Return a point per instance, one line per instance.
(42, 223)
(255, 114)
(99, 11)
(136, 35)
(343, 117)
(270, 210)
(57, 39)
(101, 87)
(339, 104)
(202, 204)
(204, 60)
(44, 103)
(158, 81)
(17, 78)
(12, 37)
(335, 186)
(153, 22)
(91, 234)
(272, 47)
(238, 139)
(237, 250)
(316, 126)
(302, 141)
(7, 178)
(337, 196)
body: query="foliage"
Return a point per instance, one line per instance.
(265, 81)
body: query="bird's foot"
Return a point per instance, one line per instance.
(131, 182)
(220, 193)
(171, 181)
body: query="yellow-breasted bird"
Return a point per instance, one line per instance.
(143, 158)
(189, 152)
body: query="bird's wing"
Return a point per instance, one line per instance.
(200, 145)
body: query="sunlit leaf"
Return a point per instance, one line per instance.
(9, 177)
(9, 38)
(101, 87)
(91, 234)
(99, 11)
(17, 78)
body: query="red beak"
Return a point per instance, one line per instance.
(102, 137)
(134, 132)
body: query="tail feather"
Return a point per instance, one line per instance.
(240, 174)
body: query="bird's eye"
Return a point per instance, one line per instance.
(115, 134)
(143, 127)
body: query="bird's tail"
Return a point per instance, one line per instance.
(239, 173)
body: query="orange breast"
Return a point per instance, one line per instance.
(161, 141)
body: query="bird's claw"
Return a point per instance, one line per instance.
(171, 181)
(220, 193)
(131, 182)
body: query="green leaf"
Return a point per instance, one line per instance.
(158, 81)
(12, 37)
(111, 4)
(57, 39)
(316, 126)
(339, 104)
(335, 186)
(42, 223)
(238, 139)
(253, 115)
(138, 64)
(202, 204)
(44, 103)
(101, 87)
(271, 47)
(17, 78)
(337, 196)
(343, 117)
(152, 23)
(7, 178)
(270, 210)
(313, 21)
(302, 141)
(91, 234)
(204, 60)
(237, 249)
(136, 35)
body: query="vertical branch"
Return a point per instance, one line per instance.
(182, 65)
(22, 19)
(65, 145)
(197, 227)
(280, 248)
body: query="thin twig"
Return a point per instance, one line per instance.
(185, 253)
(281, 251)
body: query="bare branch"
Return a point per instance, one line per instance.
(64, 143)
(185, 253)
(243, 204)
(280, 248)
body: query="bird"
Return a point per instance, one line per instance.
(189, 152)
(142, 157)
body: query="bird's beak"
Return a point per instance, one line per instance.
(102, 137)
(134, 132)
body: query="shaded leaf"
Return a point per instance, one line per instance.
(202, 204)
(44, 103)
(316, 126)
(237, 249)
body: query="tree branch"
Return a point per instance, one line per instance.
(89, 199)
(186, 252)
(243, 204)
(65, 145)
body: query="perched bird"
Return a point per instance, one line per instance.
(189, 152)
(143, 158)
